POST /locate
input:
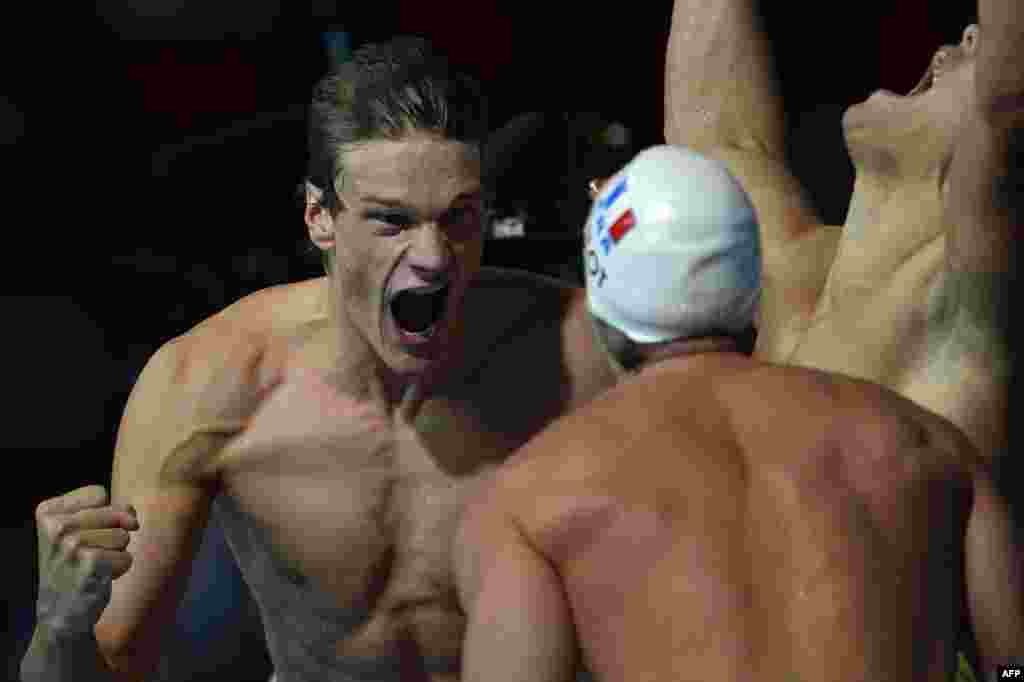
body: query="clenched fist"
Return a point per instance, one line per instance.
(82, 543)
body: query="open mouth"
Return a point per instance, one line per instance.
(417, 312)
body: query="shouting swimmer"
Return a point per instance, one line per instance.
(333, 425)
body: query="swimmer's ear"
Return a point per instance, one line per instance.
(318, 218)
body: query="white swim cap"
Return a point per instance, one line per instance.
(673, 249)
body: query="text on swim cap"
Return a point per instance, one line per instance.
(594, 267)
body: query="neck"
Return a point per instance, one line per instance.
(903, 213)
(361, 371)
(715, 346)
(870, 194)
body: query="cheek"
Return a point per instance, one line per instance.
(362, 271)
(357, 286)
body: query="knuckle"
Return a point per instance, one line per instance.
(72, 544)
(89, 561)
(124, 564)
(53, 527)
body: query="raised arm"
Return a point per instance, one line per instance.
(984, 206)
(180, 413)
(720, 82)
(722, 99)
(985, 211)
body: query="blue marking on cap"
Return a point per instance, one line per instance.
(617, 191)
(604, 203)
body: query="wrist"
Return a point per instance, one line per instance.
(62, 632)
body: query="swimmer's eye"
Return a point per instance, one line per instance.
(462, 222)
(395, 222)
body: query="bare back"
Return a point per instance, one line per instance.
(707, 529)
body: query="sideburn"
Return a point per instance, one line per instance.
(354, 278)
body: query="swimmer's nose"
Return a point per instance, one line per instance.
(431, 256)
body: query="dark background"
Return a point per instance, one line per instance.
(153, 150)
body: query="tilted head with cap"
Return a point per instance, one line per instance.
(672, 253)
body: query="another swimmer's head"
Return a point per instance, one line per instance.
(913, 135)
(672, 259)
(393, 194)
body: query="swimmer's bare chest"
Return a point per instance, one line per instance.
(894, 323)
(873, 325)
(368, 529)
(361, 532)
(903, 331)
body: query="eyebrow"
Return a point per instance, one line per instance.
(398, 203)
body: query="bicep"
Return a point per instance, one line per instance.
(172, 508)
(984, 209)
(984, 202)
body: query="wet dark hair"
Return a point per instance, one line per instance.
(386, 91)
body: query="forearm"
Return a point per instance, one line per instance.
(720, 84)
(519, 622)
(526, 641)
(1000, 61)
(56, 657)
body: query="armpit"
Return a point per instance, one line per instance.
(983, 301)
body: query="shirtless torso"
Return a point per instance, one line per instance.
(344, 542)
(695, 539)
(911, 291)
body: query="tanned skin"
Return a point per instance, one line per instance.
(914, 290)
(351, 451)
(719, 518)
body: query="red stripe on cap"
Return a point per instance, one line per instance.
(623, 225)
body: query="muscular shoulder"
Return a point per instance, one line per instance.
(576, 447)
(198, 389)
(866, 424)
(242, 348)
(505, 300)
(516, 321)
(274, 311)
